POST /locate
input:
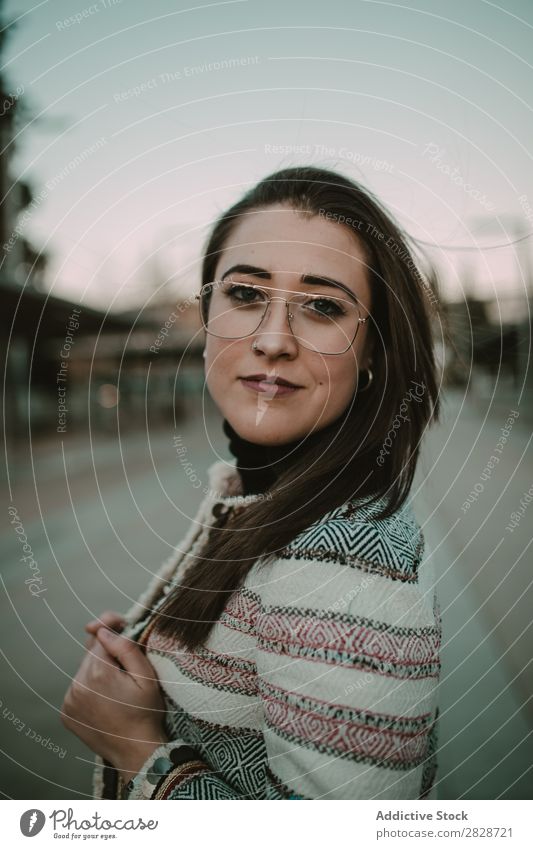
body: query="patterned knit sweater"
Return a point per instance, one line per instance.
(319, 680)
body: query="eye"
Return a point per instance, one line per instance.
(243, 294)
(325, 307)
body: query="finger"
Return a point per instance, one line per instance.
(96, 655)
(110, 619)
(100, 652)
(89, 642)
(127, 652)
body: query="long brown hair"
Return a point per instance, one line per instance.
(370, 456)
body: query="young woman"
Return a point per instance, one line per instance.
(289, 648)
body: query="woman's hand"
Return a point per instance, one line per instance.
(109, 618)
(115, 704)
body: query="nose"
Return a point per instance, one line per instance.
(274, 336)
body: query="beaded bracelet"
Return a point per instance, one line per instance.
(162, 761)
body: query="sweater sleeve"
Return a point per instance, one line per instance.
(192, 780)
(348, 663)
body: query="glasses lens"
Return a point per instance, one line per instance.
(231, 310)
(324, 324)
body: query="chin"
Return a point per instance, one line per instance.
(264, 432)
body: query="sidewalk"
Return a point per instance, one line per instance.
(99, 524)
(464, 502)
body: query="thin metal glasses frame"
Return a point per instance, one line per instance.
(270, 298)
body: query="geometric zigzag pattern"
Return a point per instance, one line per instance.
(346, 714)
(362, 736)
(241, 611)
(236, 754)
(390, 547)
(218, 671)
(351, 641)
(339, 738)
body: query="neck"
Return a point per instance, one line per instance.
(259, 466)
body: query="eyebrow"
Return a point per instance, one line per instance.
(309, 279)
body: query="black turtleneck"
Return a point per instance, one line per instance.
(259, 466)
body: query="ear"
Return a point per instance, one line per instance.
(370, 344)
(368, 352)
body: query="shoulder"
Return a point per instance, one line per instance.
(352, 586)
(352, 535)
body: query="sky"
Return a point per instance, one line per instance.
(146, 120)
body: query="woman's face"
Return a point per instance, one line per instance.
(287, 245)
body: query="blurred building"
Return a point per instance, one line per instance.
(65, 364)
(488, 344)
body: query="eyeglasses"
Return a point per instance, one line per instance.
(324, 324)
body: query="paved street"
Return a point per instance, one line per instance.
(100, 520)
(484, 579)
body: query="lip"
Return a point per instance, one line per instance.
(279, 381)
(274, 390)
